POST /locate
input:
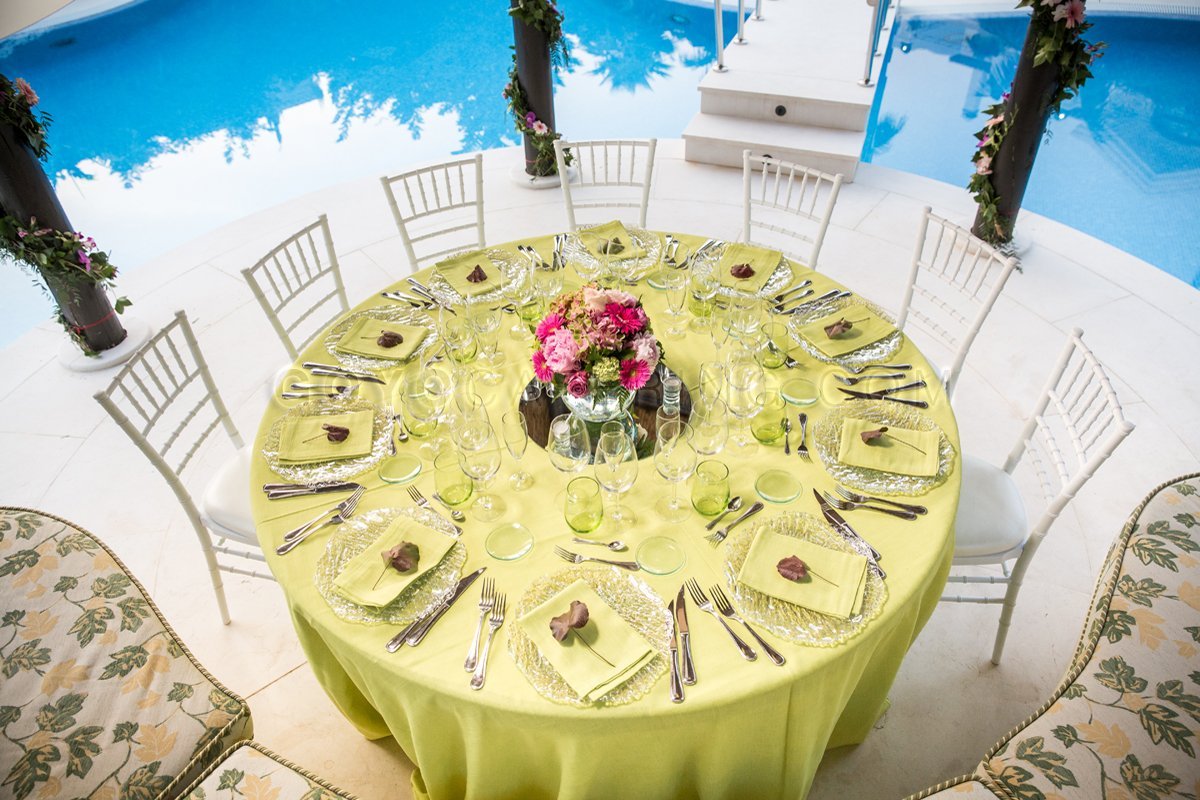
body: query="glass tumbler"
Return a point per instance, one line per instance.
(451, 482)
(710, 488)
(767, 425)
(583, 508)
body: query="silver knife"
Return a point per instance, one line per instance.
(676, 686)
(330, 370)
(849, 534)
(877, 396)
(425, 292)
(685, 638)
(423, 624)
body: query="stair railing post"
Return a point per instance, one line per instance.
(720, 67)
(872, 39)
(741, 34)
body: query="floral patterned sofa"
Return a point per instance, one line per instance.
(100, 698)
(1124, 723)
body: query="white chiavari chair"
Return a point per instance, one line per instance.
(787, 200)
(608, 173)
(438, 209)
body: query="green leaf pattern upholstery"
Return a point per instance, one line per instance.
(1125, 724)
(100, 698)
(251, 772)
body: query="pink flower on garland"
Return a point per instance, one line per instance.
(577, 384)
(540, 371)
(84, 260)
(26, 91)
(634, 373)
(549, 325)
(539, 128)
(530, 118)
(983, 166)
(994, 121)
(562, 351)
(1072, 11)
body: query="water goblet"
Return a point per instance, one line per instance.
(616, 469)
(516, 439)
(675, 461)
(485, 322)
(570, 444)
(481, 462)
(461, 342)
(710, 426)
(712, 380)
(744, 383)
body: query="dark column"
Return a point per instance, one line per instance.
(534, 74)
(1026, 111)
(25, 192)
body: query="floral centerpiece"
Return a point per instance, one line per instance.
(595, 348)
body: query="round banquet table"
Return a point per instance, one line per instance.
(745, 729)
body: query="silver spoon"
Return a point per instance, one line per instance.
(734, 504)
(616, 545)
(457, 515)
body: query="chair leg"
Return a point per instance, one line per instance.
(1010, 602)
(219, 591)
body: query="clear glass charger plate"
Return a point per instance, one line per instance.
(781, 278)
(386, 314)
(339, 469)
(632, 599)
(788, 620)
(827, 441)
(869, 354)
(357, 534)
(501, 260)
(575, 252)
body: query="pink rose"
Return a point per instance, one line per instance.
(598, 300)
(645, 348)
(577, 384)
(634, 374)
(540, 370)
(26, 91)
(562, 351)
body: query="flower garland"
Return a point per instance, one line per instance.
(544, 16)
(17, 99)
(69, 256)
(1059, 25)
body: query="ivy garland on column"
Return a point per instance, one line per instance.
(1059, 25)
(545, 17)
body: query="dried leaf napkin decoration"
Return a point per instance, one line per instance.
(741, 271)
(574, 618)
(387, 338)
(334, 433)
(477, 275)
(794, 569)
(403, 558)
(841, 326)
(878, 434)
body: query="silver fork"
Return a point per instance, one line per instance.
(493, 625)
(487, 599)
(855, 497)
(576, 558)
(420, 500)
(346, 510)
(864, 367)
(802, 448)
(390, 413)
(716, 538)
(847, 505)
(294, 532)
(726, 608)
(702, 601)
(851, 381)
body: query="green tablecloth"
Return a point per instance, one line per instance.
(745, 729)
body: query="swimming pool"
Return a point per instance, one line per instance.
(173, 117)
(1122, 161)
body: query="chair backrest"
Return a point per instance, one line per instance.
(954, 281)
(609, 173)
(299, 286)
(438, 209)
(164, 398)
(789, 200)
(1075, 426)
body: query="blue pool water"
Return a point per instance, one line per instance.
(1122, 161)
(172, 117)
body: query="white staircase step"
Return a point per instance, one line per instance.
(802, 101)
(719, 139)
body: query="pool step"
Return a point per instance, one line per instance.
(720, 139)
(786, 99)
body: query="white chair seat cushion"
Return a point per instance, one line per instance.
(226, 506)
(991, 515)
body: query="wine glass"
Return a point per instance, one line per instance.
(616, 470)
(744, 383)
(461, 342)
(702, 290)
(712, 380)
(569, 445)
(675, 284)
(485, 322)
(518, 290)
(468, 420)
(710, 426)
(516, 439)
(675, 460)
(480, 459)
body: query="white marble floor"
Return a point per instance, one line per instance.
(949, 703)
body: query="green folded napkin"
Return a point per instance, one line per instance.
(868, 328)
(362, 339)
(898, 450)
(847, 570)
(302, 440)
(360, 579)
(593, 239)
(764, 262)
(608, 635)
(455, 270)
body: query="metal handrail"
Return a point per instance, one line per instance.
(720, 67)
(741, 34)
(878, 15)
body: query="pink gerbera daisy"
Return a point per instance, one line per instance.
(634, 373)
(540, 371)
(549, 325)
